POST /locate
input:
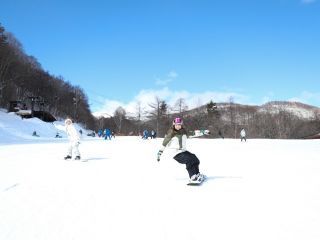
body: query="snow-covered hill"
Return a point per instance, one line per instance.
(259, 189)
(15, 129)
(300, 110)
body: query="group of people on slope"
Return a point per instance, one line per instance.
(174, 141)
(146, 134)
(107, 134)
(242, 135)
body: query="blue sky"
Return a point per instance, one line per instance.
(124, 51)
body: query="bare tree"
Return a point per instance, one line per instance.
(119, 116)
(139, 112)
(232, 112)
(76, 100)
(180, 106)
(155, 113)
(159, 114)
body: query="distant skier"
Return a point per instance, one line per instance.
(74, 140)
(220, 134)
(108, 134)
(100, 133)
(58, 135)
(243, 135)
(35, 134)
(153, 134)
(175, 140)
(145, 134)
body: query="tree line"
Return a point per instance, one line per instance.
(225, 119)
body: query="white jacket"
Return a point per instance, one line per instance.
(72, 133)
(243, 133)
(175, 145)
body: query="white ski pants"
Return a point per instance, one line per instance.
(73, 146)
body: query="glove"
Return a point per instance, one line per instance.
(159, 155)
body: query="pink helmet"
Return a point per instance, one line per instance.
(178, 121)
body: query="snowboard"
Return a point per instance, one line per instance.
(196, 183)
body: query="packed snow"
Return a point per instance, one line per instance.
(259, 189)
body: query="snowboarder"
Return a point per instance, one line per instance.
(175, 140)
(74, 140)
(243, 135)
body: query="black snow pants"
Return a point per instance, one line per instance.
(191, 161)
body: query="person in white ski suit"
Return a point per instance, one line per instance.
(175, 142)
(74, 140)
(243, 135)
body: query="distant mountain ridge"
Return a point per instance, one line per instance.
(300, 110)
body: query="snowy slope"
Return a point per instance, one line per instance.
(13, 128)
(274, 196)
(261, 189)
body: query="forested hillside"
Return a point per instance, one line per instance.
(23, 79)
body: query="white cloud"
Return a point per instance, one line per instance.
(269, 97)
(146, 97)
(308, 1)
(163, 82)
(108, 108)
(308, 98)
(171, 76)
